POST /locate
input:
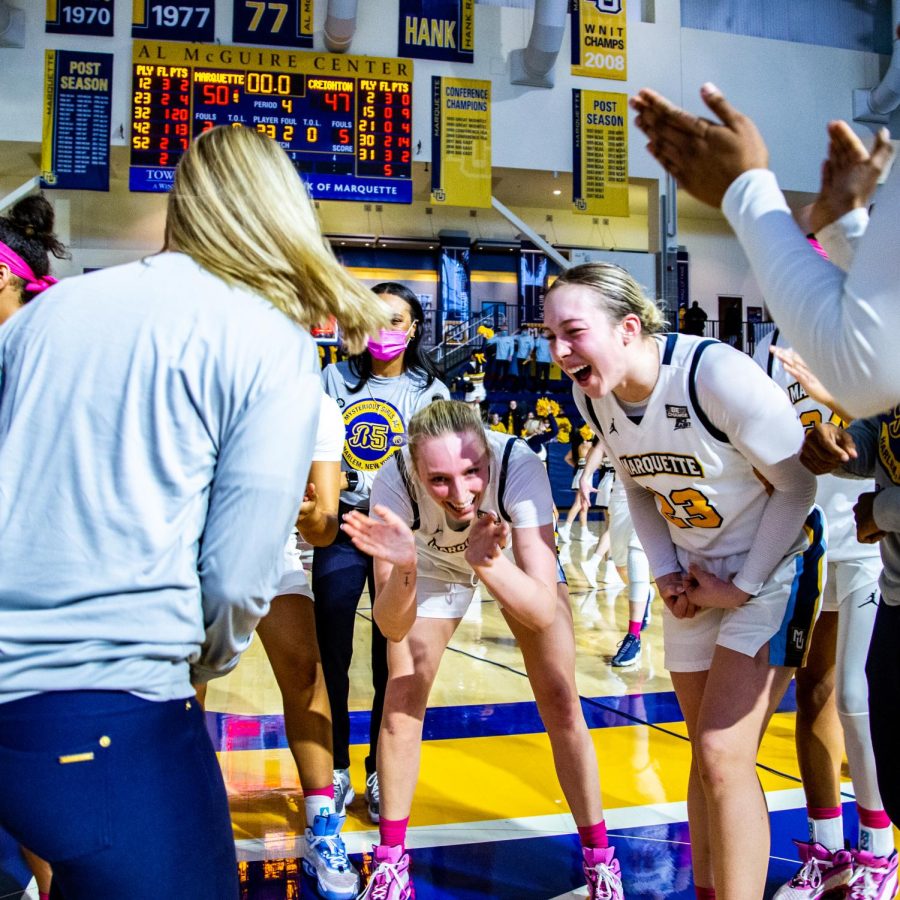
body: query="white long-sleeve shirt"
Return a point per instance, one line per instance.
(846, 327)
(156, 430)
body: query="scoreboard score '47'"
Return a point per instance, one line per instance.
(344, 121)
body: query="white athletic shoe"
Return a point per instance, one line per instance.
(344, 794)
(325, 859)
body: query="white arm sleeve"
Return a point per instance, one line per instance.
(841, 238)
(845, 327)
(763, 427)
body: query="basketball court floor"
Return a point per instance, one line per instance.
(489, 819)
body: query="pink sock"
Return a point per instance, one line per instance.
(594, 835)
(43, 896)
(635, 628)
(873, 818)
(320, 792)
(824, 812)
(393, 831)
(704, 893)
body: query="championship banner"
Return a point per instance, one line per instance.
(76, 122)
(600, 153)
(89, 17)
(599, 45)
(456, 288)
(288, 23)
(461, 142)
(437, 29)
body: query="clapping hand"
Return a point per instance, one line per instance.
(849, 174)
(385, 536)
(704, 156)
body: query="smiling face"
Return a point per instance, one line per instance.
(584, 341)
(454, 469)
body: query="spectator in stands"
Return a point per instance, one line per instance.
(695, 320)
(524, 350)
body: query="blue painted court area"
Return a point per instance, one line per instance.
(655, 861)
(234, 732)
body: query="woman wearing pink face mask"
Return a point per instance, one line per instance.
(378, 391)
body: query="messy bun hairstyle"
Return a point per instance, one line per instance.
(28, 232)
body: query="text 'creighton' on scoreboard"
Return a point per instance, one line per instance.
(345, 121)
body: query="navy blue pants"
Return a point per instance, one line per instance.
(883, 674)
(340, 573)
(122, 796)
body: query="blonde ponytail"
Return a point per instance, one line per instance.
(240, 210)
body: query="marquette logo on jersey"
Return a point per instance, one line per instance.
(662, 464)
(453, 548)
(680, 414)
(796, 392)
(889, 444)
(373, 431)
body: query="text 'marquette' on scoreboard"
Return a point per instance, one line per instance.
(345, 121)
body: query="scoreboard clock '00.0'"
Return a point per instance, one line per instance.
(344, 121)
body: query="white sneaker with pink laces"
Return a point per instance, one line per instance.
(390, 878)
(601, 870)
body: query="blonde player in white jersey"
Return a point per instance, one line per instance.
(460, 506)
(832, 694)
(706, 446)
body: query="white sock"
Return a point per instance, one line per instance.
(827, 832)
(879, 841)
(318, 805)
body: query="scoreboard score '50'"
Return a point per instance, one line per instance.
(345, 121)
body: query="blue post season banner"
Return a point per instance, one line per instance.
(186, 20)
(437, 29)
(288, 23)
(75, 143)
(89, 17)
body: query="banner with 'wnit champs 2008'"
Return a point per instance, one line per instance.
(599, 39)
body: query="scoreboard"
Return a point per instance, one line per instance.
(344, 121)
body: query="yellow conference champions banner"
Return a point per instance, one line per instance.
(600, 153)
(599, 40)
(461, 142)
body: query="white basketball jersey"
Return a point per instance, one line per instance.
(836, 496)
(708, 492)
(518, 491)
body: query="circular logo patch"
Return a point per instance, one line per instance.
(374, 430)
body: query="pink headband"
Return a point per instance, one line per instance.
(20, 268)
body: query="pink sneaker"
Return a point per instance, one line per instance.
(390, 877)
(602, 873)
(822, 871)
(874, 877)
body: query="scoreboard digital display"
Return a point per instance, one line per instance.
(345, 121)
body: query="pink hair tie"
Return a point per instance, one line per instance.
(21, 269)
(40, 284)
(817, 246)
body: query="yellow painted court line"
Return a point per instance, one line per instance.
(466, 780)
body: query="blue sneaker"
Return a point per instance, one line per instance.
(629, 652)
(325, 859)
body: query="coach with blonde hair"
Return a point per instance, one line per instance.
(156, 430)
